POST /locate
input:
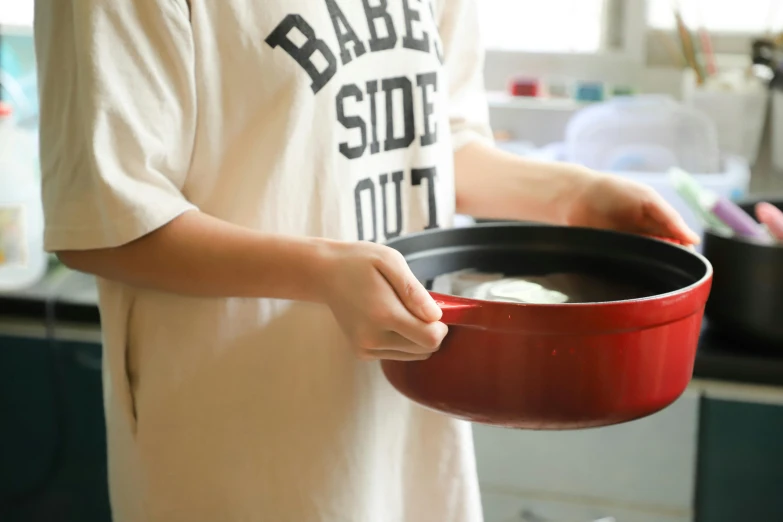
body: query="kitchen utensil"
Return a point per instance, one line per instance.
(690, 191)
(737, 219)
(747, 294)
(772, 217)
(689, 47)
(707, 50)
(557, 366)
(721, 214)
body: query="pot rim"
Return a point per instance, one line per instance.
(673, 295)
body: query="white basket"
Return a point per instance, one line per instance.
(739, 115)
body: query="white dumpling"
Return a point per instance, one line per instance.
(518, 290)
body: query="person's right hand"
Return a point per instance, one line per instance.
(380, 305)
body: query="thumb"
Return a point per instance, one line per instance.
(409, 290)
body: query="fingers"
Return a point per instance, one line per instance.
(411, 292)
(390, 355)
(668, 222)
(392, 345)
(394, 333)
(425, 336)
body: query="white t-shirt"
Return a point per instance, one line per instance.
(332, 118)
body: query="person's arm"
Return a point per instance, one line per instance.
(381, 307)
(491, 183)
(118, 120)
(199, 255)
(494, 184)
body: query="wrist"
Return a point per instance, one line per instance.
(320, 266)
(575, 183)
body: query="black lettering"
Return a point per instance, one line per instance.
(365, 185)
(344, 32)
(397, 180)
(409, 41)
(390, 85)
(417, 175)
(430, 135)
(436, 43)
(375, 13)
(351, 122)
(372, 90)
(303, 55)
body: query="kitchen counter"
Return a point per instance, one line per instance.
(64, 306)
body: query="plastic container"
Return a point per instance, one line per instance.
(23, 260)
(649, 133)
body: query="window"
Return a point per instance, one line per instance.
(16, 13)
(555, 26)
(721, 16)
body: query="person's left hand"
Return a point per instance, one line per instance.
(615, 203)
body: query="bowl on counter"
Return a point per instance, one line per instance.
(747, 291)
(599, 358)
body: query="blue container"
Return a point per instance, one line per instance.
(589, 92)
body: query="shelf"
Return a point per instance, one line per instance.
(16, 29)
(502, 100)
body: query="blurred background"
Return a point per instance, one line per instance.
(632, 87)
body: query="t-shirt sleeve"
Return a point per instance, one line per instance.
(118, 116)
(463, 55)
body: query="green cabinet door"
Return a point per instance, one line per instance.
(29, 442)
(740, 464)
(52, 433)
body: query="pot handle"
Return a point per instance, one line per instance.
(454, 311)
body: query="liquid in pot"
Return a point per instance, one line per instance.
(555, 288)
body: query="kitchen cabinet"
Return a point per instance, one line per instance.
(740, 465)
(52, 434)
(499, 507)
(644, 470)
(28, 439)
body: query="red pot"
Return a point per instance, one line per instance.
(560, 366)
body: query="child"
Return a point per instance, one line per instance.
(230, 169)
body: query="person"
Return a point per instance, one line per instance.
(229, 170)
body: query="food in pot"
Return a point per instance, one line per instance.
(557, 288)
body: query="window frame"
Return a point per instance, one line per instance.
(626, 22)
(639, 52)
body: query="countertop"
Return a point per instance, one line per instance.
(63, 306)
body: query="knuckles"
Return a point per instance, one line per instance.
(433, 339)
(381, 316)
(367, 342)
